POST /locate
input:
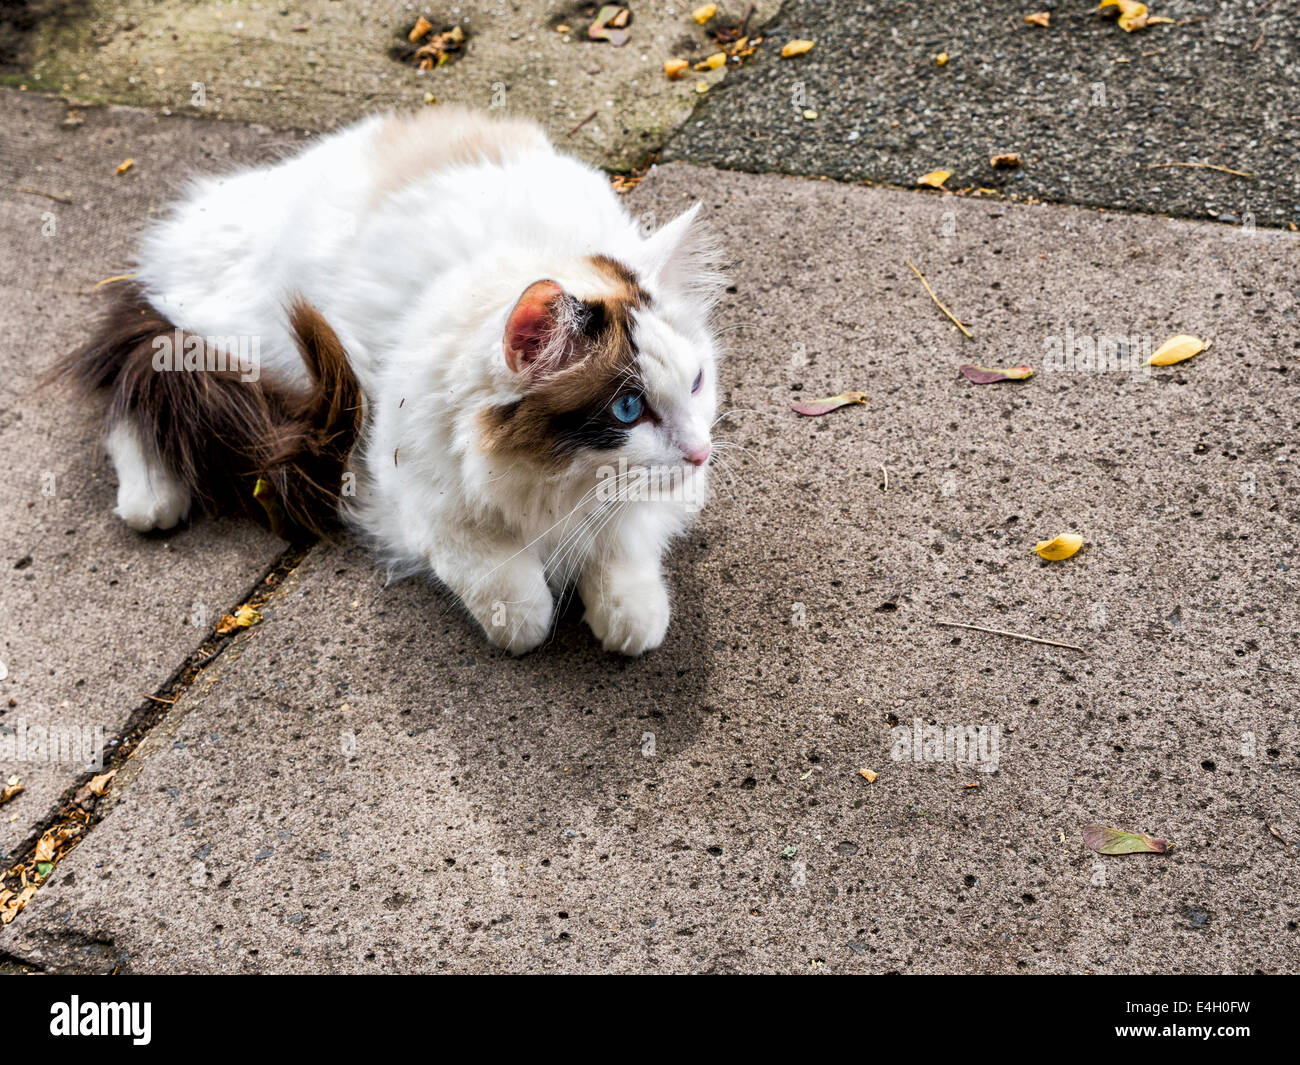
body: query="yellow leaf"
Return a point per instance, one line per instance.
(1176, 349)
(674, 68)
(701, 86)
(243, 618)
(1041, 18)
(125, 165)
(935, 178)
(703, 14)
(941, 59)
(1062, 547)
(1132, 15)
(868, 775)
(421, 27)
(794, 48)
(714, 61)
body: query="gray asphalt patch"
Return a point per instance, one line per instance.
(1088, 107)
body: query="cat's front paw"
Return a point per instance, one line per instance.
(628, 617)
(518, 616)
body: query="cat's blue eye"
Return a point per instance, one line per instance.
(699, 380)
(628, 407)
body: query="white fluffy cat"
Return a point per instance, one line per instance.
(522, 350)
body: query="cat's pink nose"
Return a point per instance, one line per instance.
(698, 456)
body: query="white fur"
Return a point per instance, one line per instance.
(149, 496)
(418, 282)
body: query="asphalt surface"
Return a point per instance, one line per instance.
(1088, 107)
(359, 783)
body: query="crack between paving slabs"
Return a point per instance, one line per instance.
(78, 810)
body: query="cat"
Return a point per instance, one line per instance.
(443, 332)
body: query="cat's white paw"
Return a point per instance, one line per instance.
(518, 615)
(155, 501)
(149, 496)
(629, 617)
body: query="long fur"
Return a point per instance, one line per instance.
(378, 269)
(221, 434)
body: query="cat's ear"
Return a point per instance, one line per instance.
(539, 331)
(683, 256)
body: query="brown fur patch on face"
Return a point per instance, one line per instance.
(568, 410)
(408, 146)
(219, 433)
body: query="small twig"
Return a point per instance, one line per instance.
(955, 320)
(744, 23)
(48, 195)
(1004, 632)
(156, 699)
(1260, 41)
(886, 473)
(110, 280)
(1202, 166)
(582, 123)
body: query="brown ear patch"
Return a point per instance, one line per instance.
(569, 410)
(219, 433)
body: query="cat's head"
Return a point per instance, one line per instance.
(615, 365)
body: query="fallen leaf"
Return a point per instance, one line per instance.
(609, 25)
(714, 61)
(941, 59)
(421, 27)
(1040, 18)
(811, 408)
(99, 785)
(794, 48)
(243, 618)
(701, 86)
(868, 775)
(1132, 15)
(1114, 841)
(703, 14)
(264, 493)
(1176, 349)
(988, 375)
(1061, 547)
(1006, 159)
(125, 165)
(43, 869)
(1275, 833)
(10, 791)
(45, 847)
(935, 178)
(675, 68)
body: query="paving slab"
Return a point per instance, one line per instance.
(95, 616)
(362, 785)
(313, 64)
(1088, 107)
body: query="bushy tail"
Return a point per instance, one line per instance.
(253, 446)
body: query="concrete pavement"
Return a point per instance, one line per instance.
(313, 64)
(360, 784)
(96, 618)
